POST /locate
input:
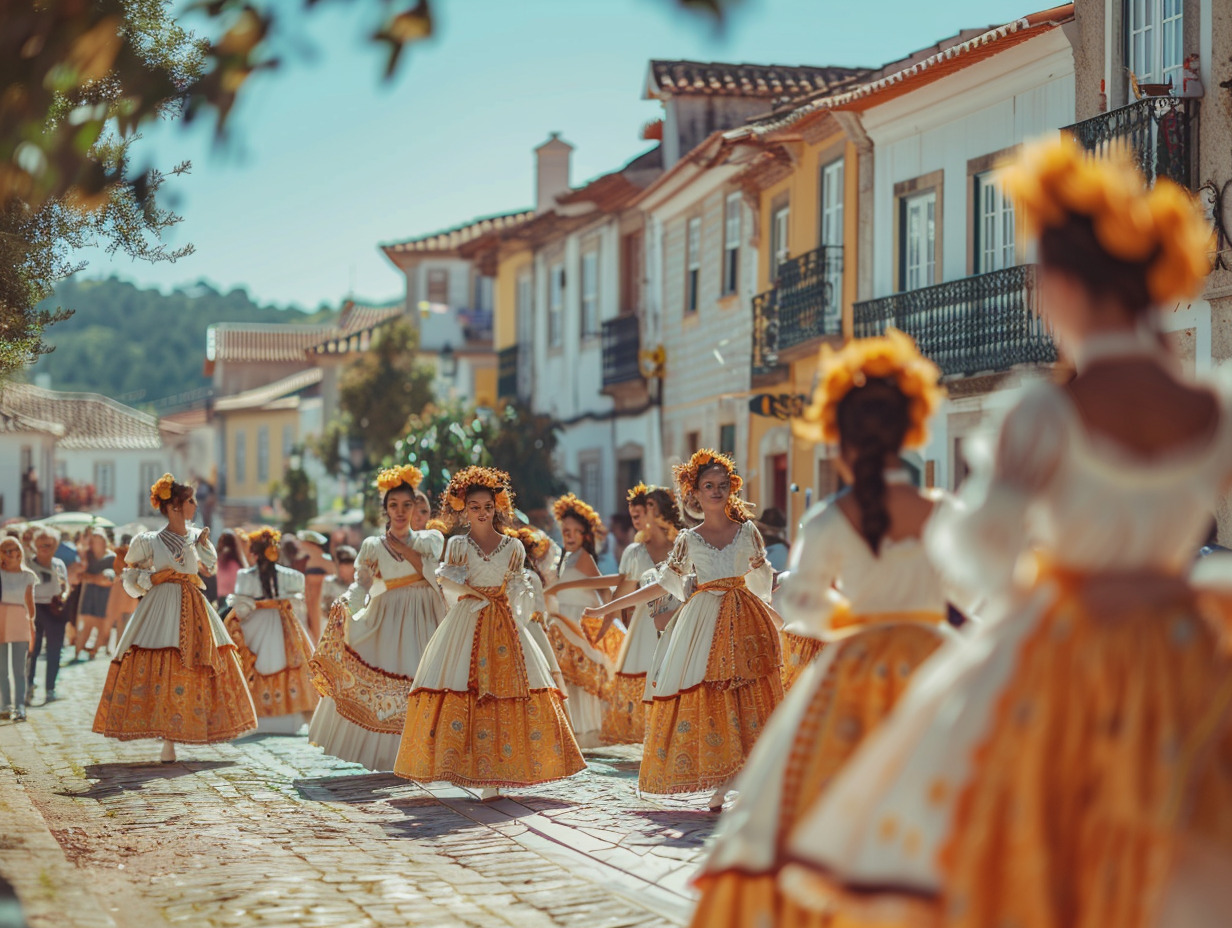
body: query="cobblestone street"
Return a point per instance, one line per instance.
(269, 831)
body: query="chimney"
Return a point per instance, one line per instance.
(551, 172)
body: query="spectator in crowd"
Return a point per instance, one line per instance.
(49, 610)
(336, 584)
(16, 626)
(292, 556)
(231, 561)
(120, 604)
(317, 566)
(773, 528)
(620, 530)
(96, 583)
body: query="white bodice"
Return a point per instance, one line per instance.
(635, 561)
(1080, 500)
(568, 571)
(149, 553)
(248, 583)
(377, 561)
(465, 563)
(829, 552)
(692, 554)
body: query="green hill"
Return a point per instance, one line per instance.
(141, 346)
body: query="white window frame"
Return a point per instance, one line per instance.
(590, 477)
(263, 454)
(439, 275)
(483, 293)
(556, 306)
(831, 236)
(780, 242)
(731, 244)
(148, 473)
(524, 310)
(241, 456)
(1155, 40)
(105, 479)
(693, 264)
(590, 293)
(919, 240)
(994, 223)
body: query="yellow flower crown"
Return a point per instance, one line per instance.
(160, 492)
(535, 542)
(489, 477)
(1162, 228)
(271, 538)
(893, 357)
(437, 525)
(393, 477)
(637, 496)
(688, 473)
(569, 504)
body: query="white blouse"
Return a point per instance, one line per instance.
(693, 556)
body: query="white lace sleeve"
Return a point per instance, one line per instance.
(140, 559)
(977, 539)
(760, 580)
(207, 557)
(456, 568)
(674, 574)
(805, 596)
(522, 595)
(247, 591)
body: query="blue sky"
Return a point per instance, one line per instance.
(327, 160)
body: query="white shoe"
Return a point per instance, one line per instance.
(717, 799)
(168, 754)
(488, 793)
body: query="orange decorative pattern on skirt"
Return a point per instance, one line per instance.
(290, 689)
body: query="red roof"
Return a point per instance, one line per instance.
(451, 239)
(771, 81)
(90, 420)
(269, 395)
(267, 342)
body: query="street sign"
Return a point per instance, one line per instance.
(777, 405)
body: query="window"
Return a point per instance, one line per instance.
(438, 285)
(1154, 29)
(994, 226)
(556, 306)
(919, 240)
(524, 309)
(692, 442)
(590, 294)
(27, 459)
(62, 471)
(263, 450)
(592, 479)
(631, 257)
(693, 263)
(629, 473)
(727, 440)
(241, 456)
(483, 293)
(779, 247)
(832, 237)
(148, 472)
(104, 479)
(731, 243)
(288, 442)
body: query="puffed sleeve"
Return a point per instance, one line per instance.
(207, 557)
(429, 543)
(247, 591)
(529, 597)
(456, 568)
(759, 580)
(631, 562)
(366, 570)
(291, 584)
(517, 587)
(806, 596)
(140, 560)
(977, 538)
(676, 570)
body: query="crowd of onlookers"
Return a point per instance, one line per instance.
(62, 598)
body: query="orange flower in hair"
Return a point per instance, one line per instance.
(491, 479)
(892, 357)
(637, 496)
(393, 477)
(160, 492)
(571, 505)
(271, 538)
(535, 542)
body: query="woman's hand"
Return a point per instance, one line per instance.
(597, 612)
(203, 536)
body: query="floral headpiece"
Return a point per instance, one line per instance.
(688, 473)
(1162, 228)
(637, 496)
(160, 492)
(271, 538)
(571, 505)
(393, 477)
(488, 477)
(535, 542)
(893, 357)
(437, 525)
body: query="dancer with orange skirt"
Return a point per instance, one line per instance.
(537, 551)
(266, 623)
(887, 616)
(175, 674)
(1067, 765)
(485, 712)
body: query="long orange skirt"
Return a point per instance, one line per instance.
(286, 691)
(798, 652)
(863, 682)
(624, 718)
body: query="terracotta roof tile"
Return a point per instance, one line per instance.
(715, 78)
(89, 419)
(11, 422)
(240, 341)
(450, 239)
(262, 397)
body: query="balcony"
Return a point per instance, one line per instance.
(507, 373)
(805, 304)
(1161, 132)
(622, 373)
(981, 324)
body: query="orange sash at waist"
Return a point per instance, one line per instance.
(723, 584)
(271, 603)
(290, 627)
(197, 647)
(490, 594)
(845, 622)
(395, 583)
(168, 575)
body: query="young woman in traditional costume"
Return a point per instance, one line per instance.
(266, 623)
(537, 550)
(716, 673)
(364, 666)
(873, 400)
(1067, 766)
(587, 664)
(175, 674)
(485, 712)
(656, 519)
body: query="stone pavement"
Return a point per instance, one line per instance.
(269, 831)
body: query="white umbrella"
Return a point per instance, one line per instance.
(130, 528)
(335, 519)
(74, 519)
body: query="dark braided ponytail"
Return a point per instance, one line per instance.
(267, 570)
(873, 420)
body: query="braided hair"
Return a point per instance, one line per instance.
(267, 570)
(873, 421)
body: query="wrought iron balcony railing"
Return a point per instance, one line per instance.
(1161, 132)
(806, 303)
(978, 324)
(507, 373)
(621, 342)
